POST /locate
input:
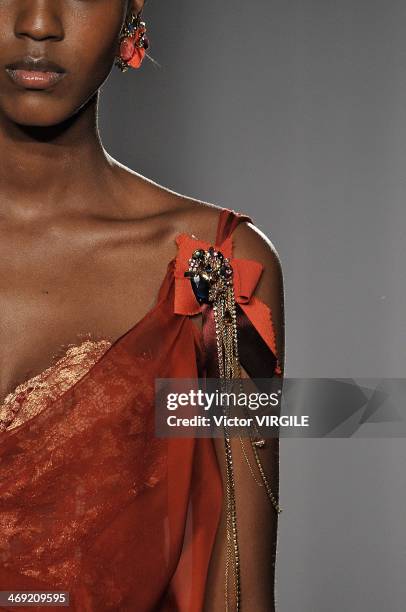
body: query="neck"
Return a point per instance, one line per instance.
(52, 166)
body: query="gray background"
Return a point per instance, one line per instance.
(294, 111)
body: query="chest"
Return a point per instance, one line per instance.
(51, 296)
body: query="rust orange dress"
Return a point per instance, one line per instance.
(91, 502)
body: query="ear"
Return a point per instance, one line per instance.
(136, 6)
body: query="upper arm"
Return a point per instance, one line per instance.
(256, 517)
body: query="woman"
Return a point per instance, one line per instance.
(95, 306)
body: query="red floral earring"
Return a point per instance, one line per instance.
(133, 43)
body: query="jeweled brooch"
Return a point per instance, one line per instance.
(210, 274)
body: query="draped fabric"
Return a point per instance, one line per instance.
(91, 502)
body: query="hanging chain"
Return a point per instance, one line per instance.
(229, 368)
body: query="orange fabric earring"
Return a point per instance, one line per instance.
(133, 43)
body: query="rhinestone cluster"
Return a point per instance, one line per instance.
(210, 274)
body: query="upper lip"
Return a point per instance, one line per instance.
(40, 64)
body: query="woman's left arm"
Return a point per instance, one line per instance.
(257, 519)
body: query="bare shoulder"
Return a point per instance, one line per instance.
(250, 242)
(164, 210)
(171, 213)
(166, 213)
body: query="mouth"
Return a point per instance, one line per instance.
(35, 73)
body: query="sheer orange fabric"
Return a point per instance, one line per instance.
(91, 502)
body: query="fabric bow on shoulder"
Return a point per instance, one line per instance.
(256, 334)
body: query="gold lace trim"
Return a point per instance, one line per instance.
(33, 395)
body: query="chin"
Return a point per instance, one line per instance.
(39, 112)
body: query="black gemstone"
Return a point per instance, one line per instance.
(200, 288)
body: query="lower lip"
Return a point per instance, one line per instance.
(33, 79)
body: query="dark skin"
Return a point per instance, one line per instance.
(84, 241)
